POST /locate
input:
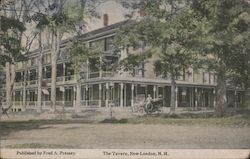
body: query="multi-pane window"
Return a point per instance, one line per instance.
(47, 59)
(109, 43)
(59, 94)
(33, 74)
(31, 95)
(106, 44)
(33, 61)
(98, 45)
(47, 72)
(19, 77)
(69, 92)
(59, 70)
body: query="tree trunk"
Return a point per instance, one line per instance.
(78, 95)
(24, 91)
(10, 80)
(221, 100)
(54, 55)
(247, 83)
(173, 95)
(247, 98)
(8, 90)
(40, 74)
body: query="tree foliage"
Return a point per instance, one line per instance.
(224, 41)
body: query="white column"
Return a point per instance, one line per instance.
(190, 96)
(154, 90)
(176, 97)
(121, 95)
(100, 67)
(87, 73)
(132, 94)
(107, 95)
(235, 99)
(86, 94)
(164, 95)
(214, 98)
(78, 98)
(74, 96)
(202, 98)
(100, 95)
(64, 74)
(125, 94)
(209, 100)
(63, 100)
(195, 96)
(14, 100)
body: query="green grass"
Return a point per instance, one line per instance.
(225, 121)
(39, 145)
(186, 119)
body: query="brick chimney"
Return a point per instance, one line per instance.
(105, 20)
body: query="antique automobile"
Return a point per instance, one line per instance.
(149, 107)
(153, 106)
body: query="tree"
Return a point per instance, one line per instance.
(167, 32)
(20, 12)
(224, 40)
(10, 52)
(81, 55)
(61, 20)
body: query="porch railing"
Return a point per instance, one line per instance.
(89, 103)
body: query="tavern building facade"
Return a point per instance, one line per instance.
(104, 88)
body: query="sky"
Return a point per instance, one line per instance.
(114, 10)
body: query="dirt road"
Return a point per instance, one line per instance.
(126, 136)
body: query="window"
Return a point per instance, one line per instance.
(59, 70)
(18, 96)
(69, 94)
(31, 95)
(47, 59)
(99, 45)
(59, 94)
(19, 77)
(33, 74)
(47, 72)
(109, 44)
(34, 62)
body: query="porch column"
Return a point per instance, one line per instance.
(74, 96)
(164, 96)
(209, 96)
(86, 95)
(125, 95)
(24, 92)
(14, 100)
(121, 95)
(63, 97)
(64, 72)
(190, 96)
(100, 67)
(176, 97)
(214, 98)
(107, 95)
(132, 94)
(195, 96)
(235, 99)
(154, 90)
(157, 91)
(78, 98)
(36, 97)
(202, 98)
(100, 95)
(87, 73)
